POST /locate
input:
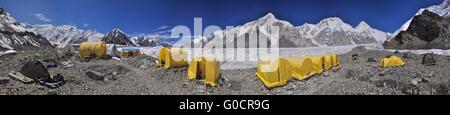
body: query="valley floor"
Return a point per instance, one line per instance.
(140, 76)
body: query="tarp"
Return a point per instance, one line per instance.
(172, 58)
(273, 72)
(204, 68)
(92, 50)
(35, 70)
(302, 68)
(391, 61)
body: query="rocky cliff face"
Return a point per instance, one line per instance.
(117, 36)
(13, 35)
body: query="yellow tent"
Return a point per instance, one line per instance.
(130, 52)
(273, 72)
(172, 58)
(205, 68)
(92, 50)
(302, 68)
(317, 63)
(391, 61)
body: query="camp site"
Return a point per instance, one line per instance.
(99, 68)
(182, 48)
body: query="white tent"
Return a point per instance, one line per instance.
(111, 50)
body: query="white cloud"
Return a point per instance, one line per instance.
(162, 30)
(163, 27)
(42, 17)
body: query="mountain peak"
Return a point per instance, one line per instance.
(333, 22)
(269, 15)
(363, 25)
(117, 30)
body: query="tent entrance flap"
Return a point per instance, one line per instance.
(273, 72)
(207, 69)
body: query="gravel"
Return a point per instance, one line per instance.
(141, 76)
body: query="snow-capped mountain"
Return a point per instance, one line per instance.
(442, 9)
(117, 36)
(149, 41)
(334, 32)
(328, 32)
(68, 34)
(262, 26)
(13, 34)
(65, 34)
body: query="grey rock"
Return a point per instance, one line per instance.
(410, 90)
(95, 75)
(143, 66)
(416, 81)
(52, 92)
(4, 80)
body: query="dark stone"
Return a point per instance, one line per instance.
(372, 59)
(94, 75)
(386, 83)
(410, 90)
(4, 80)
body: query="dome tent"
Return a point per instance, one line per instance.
(391, 61)
(429, 59)
(35, 70)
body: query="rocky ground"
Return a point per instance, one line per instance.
(140, 76)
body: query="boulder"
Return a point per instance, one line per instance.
(4, 80)
(94, 75)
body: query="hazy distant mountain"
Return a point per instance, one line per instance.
(13, 34)
(150, 41)
(65, 34)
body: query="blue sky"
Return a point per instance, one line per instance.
(149, 16)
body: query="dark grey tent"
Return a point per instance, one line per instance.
(355, 56)
(35, 70)
(429, 59)
(69, 50)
